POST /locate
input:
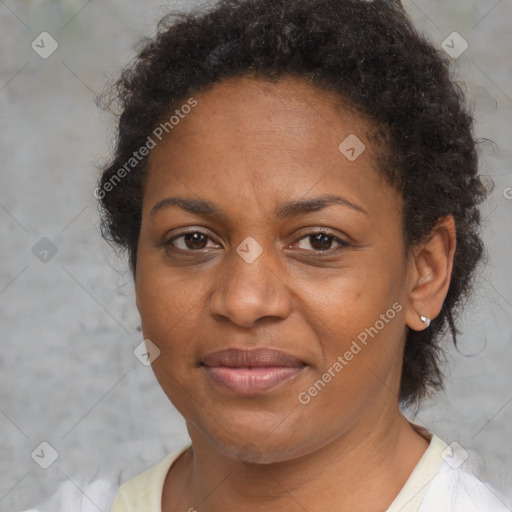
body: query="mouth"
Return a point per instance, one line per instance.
(249, 372)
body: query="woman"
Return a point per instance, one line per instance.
(296, 186)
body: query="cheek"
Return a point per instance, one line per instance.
(362, 367)
(351, 300)
(359, 319)
(364, 343)
(169, 318)
(167, 298)
(168, 307)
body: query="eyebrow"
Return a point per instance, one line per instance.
(282, 211)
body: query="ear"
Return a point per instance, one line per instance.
(429, 273)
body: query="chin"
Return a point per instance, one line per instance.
(263, 445)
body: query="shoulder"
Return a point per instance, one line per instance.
(457, 490)
(442, 482)
(144, 491)
(97, 495)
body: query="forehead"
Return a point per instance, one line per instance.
(289, 107)
(279, 139)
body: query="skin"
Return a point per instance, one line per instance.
(249, 146)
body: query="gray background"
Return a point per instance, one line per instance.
(69, 326)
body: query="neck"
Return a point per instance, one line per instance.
(361, 470)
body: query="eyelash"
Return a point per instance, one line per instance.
(343, 244)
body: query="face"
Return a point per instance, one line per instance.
(255, 257)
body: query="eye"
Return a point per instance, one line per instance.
(321, 241)
(193, 240)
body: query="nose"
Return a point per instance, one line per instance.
(250, 291)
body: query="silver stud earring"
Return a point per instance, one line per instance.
(425, 320)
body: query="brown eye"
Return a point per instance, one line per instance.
(195, 240)
(321, 241)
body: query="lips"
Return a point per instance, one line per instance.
(250, 372)
(259, 357)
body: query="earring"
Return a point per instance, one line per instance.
(425, 320)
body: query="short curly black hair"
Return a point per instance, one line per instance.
(372, 57)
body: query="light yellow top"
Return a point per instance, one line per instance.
(144, 492)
